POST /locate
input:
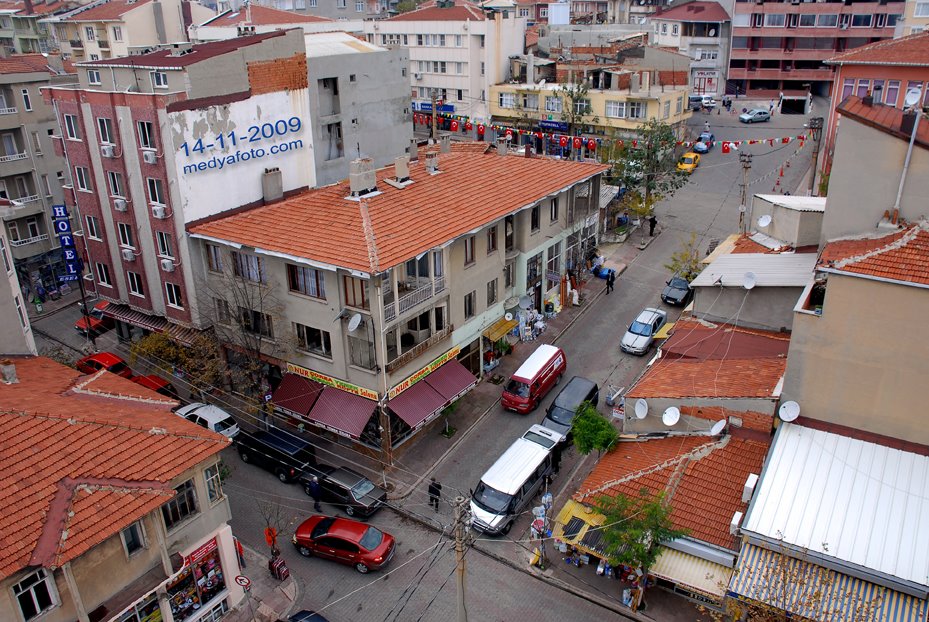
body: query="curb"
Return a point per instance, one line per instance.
(263, 561)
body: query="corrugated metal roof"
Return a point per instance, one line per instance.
(851, 500)
(798, 203)
(770, 270)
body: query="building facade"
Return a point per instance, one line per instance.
(700, 30)
(22, 32)
(915, 19)
(17, 336)
(257, 19)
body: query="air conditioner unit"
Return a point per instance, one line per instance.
(158, 211)
(418, 76)
(167, 265)
(150, 157)
(119, 205)
(107, 151)
(128, 255)
(844, 27)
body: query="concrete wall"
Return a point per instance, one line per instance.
(16, 335)
(795, 227)
(859, 364)
(861, 189)
(210, 32)
(768, 308)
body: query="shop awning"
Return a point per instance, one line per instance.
(342, 412)
(500, 328)
(578, 525)
(153, 323)
(418, 404)
(816, 592)
(296, 395)
(451, 380)
(692, 572)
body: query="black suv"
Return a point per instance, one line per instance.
(348, 490)
(281, 452)
(560, 415)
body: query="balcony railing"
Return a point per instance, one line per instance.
(413, 298)
(14, 156)
(418, 349)
(26, 199)
(76, 44)
(8, 111)
(32, 240)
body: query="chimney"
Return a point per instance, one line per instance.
(445, 142)
(907, 122)
(528, 150)
(402, 168)
(8, 371)
(361, 177)
(28, 7)
(413, 150)
(432, 163)
(646, 80)
(634, 83)
(749, 489)
(272, 185)
(501, 145)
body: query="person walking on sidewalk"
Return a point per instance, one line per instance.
(315, 491)
(610, 281)
(240, 553)
(652, 222)
(435, 493)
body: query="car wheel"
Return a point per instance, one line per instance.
(304, 551)
(244, 456)
(282, 476)
(506, 528)
(349, 510)
(361, 568)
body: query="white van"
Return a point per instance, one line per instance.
(513, 481)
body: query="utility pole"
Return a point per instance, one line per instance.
(816, 126)
(460, 534)
(746, 160)
(434, 116)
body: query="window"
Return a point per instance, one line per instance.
(438, 66)
(72, 130)
(543, 12)
(507, 100)
(508, 279)
(827, 21)
(14, 231)
(93, 228)
(675, 29)
(214, 258)
(184, 504)
(492, 292)
(666, 110)
(664, 29)
(35, 594)
(313, 340)
(360, 6)
(6, 257)
(106, 130)
(460, 93)
(173, 295)
(553, 210)
(27, 100)
(306, 281)
(135, 283)
(469, 250)
(492, 239)
(159, 80)
(37, 144)
(133, 539)
(457, 41)
(554, 258)
(807, 20)
(156, 193)
(893, 18)
(679, 106)
(19, 304)
(863, 87)
(248, 267)
(116, 183)
(214, 483)
(469, 305)
(340, 4)
(893, 91)
(94, 57)
(482, 68)
(313, 4)
(82, 178)
(165, 245)
(93, 76)
(581, 106)
(535, 220)
(861, 21)
(223, 314)
(921, 10)
(775, 19)
(256, 322)
(419, 40)
(523, 12)
(90, 33)
(530, 101)
(146, 135)
(636, 110)
(32, 227)
(616, 110)
(103, 275)
(125, 235)
(356, 292)
(117, 33)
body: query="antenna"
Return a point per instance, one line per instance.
(764, 220)
(641, 408)
(671, 416)
(749, 280)
(508, 316)
(718, 427)
(789, 411)
(912, 97)
(354, 323)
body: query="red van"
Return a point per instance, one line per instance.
(534, 378)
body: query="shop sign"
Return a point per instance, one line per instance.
(427, 107)
(554, 277)
(704, 73)
(554, 125)
(332, 382)
(422, 373)
(62, 224)
(202, 551)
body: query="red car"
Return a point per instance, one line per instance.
(158, 385)
(98, 322)
(104, 360)
(344, 540)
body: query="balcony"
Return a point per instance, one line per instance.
(413, 292)
(410, 355)
(104, 44)
(27, 241)
(8, 111)
(26, 199)
(780, 74)
(76, 44)
(13, 157)
(703, 40)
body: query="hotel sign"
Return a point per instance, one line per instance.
(422, 373)
(332, 382)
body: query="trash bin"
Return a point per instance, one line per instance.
(549, 307)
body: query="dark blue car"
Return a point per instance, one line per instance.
(704, 143)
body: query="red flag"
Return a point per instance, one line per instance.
(591, 144)
(725, 146)
(469, 126)
(563, 141)
(578, 142)
(480, 130)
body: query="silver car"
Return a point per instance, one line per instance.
(755, 115)
(641, 333)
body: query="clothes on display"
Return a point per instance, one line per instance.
(146, 611)
(200, 582)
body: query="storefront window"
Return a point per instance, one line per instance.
(146, 611)
(200, 582)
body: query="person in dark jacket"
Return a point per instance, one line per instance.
(435, 493)
(610, 281)
(652, 222)
(316, 492)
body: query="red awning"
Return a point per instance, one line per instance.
(296, 395)
(418, 404)
(342, 412)
(452, 380)
(152, 323)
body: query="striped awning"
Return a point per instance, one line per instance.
(818, 593)
(692, 572)
(152, 323)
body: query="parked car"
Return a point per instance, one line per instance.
(209, 417)
(696, 102)
(347, 489)
(93, 363)
(677, 292)
(158, 385)
(560, 415)
(705, 143)
(283, 453)
(755, 115)
(95, 320)
(305, 616)
(688, 162)
(346, 541)
(641, 333)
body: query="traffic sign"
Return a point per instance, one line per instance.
(243, 581)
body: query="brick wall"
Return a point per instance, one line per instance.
(284, 74)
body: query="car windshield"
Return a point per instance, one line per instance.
(362, 488)
(641, 328)
(371, 539)
(118, 367)
(687, 160)
(517, 388)
(223, 425)
(706, 137)
(561, 415)
(679, 283)
(490, 500)
(544, 441)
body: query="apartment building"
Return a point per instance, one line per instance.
(383, 284)
(258, 19)
(17, 336)
(699, 30)
(457, 50)
(22, 32)
(339, 10)
(915, 19)
(783, 46)
(31, 172)
(111, 28)
(139, 532)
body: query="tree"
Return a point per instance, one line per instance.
(405, 6)
(199, 364)
(575, 109)
(685, 262)
(592, 430)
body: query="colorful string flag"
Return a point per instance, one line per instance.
(469, 126)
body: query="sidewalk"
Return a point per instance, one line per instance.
(267, 599)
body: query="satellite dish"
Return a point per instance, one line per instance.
(788, 411)
(718, 427)
(912, 96)
(354, 323)
(749, 280)
(641, 408)
(542, 82)
(525, 303)
(508, 317)
(671, 416)
(712, 32)
(764, 220)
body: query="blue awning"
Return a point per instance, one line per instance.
(818, 593)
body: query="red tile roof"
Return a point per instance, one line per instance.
(77, 466)
(428, 12)
(882, 117)
(745, 378)
(911, 51)
(532, 35)
(24, 63)
(697, 340)
(37, 8)
(111, 10)
(698, 11)
(471, 190)
(745, 244)
(901, 256)
(264, 16)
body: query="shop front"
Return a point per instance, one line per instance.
(200, 583)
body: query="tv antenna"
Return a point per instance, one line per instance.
(749, 280)
(789, 411)
(641, 408)
(671, 416)
(718, 427)
(354, 323)
(764, 220)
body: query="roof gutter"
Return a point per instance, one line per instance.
(871, 277)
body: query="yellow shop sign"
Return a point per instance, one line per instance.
(422, 373)
(332, 382)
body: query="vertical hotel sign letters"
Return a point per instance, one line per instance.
(72, 262)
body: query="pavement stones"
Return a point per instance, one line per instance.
(268, 599)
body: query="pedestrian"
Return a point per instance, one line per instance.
(771, 107)
(315, 491)
(435, 493)
(610, 281)
(706, 127)
(240, 552)
(652, 221)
